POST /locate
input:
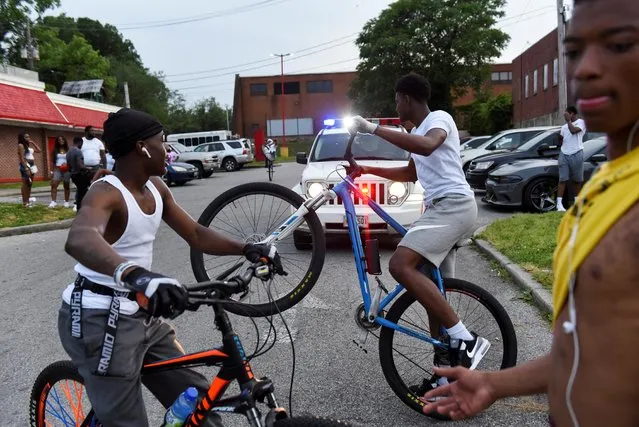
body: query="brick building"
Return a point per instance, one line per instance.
(311, 98)
(26, 106)
(308, 100)
(536, 84)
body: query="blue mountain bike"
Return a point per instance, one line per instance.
(265, 212)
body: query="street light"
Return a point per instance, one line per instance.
(283, 147)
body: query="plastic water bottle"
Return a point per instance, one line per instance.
(178, 413)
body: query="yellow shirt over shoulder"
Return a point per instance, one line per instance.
(609, 194)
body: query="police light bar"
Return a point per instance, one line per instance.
(346, 121)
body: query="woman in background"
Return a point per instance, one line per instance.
(28, 169)
(60, 172)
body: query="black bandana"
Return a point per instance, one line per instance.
(123, 129)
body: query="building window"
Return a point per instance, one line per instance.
(258, 89)
(526, 85)
(555, 72)
(501, 77)
(545, 77)
(535, 82)
(290, 88)
(319, 86)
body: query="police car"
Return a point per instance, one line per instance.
(325, 165)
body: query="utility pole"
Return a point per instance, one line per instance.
(283, 147)
(127, 101)
(29, 46)
(561, 59)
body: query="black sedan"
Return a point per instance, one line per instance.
(180, 173)
(532, 183)
(546, 144)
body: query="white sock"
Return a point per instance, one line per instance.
(559, 201)
(442, 380)
(460, 332)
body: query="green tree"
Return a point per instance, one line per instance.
(205, 115)
(489, 114)
(14, 16)
(75, 60)
(450, 41)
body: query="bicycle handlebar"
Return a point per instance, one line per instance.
(210, 292)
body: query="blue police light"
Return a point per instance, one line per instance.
(329, 122)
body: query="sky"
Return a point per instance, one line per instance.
(201, 44)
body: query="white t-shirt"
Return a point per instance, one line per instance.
(573, 142)
(91, 151)
(441, 173)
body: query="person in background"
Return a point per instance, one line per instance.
(269, 149)
(26, 159)
(93, 150)
(571, 158)
(171, 155)
(60, 172)
(80, 174)
(110, 161)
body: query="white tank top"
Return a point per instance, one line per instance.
(61, 159)
(135, 244)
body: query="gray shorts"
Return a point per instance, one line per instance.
(571, 167)
(445, 222)
(61, 176)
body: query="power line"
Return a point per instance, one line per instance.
(186, 20)
(230, 67)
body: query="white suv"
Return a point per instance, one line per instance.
(402, 200)
(233, 154)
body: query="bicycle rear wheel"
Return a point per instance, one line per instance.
(58, 398)
(407, 361)
(250, 213)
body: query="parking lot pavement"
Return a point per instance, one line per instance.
(333, 377)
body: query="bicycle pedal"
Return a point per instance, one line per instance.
(360, 346)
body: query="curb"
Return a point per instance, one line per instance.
(36, 228)
(540, 296)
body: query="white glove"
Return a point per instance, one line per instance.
(359, 124)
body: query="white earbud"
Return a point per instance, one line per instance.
(569, 327)
(147, 152)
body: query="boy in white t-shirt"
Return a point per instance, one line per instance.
(571, 158)
(449, 216)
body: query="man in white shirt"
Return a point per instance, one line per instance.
(571, 158)
(449, 216)
(93, 150)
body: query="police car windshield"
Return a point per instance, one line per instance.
(332, 146)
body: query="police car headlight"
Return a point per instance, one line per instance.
(315, 189)
(397, 189)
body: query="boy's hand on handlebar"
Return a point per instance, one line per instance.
(165, 296)
(256, 251)
(354, 170)
(362, 125)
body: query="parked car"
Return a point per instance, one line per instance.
(402, 200)
(532, 183)
(233, 154)
(474, 142)
(546, 144)
(179, 173)
(505, 140)
(204, 161)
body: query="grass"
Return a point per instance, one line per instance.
(16, 215)
(528, 240)
(18, 185)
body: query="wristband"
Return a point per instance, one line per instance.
(120, 269)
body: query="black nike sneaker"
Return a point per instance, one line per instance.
(426, 386)
(468, 353)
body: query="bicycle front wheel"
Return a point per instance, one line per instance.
(407, 362)
(310, 421)
(58, 398)
(250, 213)
(270, 171)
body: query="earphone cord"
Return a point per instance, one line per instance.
(631, 137)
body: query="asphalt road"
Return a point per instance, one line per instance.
(332, 378)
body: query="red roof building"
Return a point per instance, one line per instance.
(26, 107)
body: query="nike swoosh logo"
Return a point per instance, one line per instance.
(472, 354)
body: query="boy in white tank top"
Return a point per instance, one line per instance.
(112, 240)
